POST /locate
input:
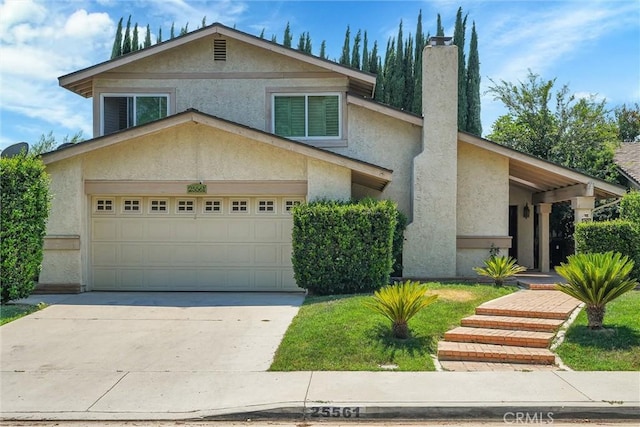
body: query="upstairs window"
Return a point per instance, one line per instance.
(121, 111)
(307, 116)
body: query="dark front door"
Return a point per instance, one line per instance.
(513, 231)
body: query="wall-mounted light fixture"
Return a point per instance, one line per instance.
(526, 211)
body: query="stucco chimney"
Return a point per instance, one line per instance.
(430, 246)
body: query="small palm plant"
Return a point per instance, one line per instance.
(596, 279)
(499, 268)
(399, 303)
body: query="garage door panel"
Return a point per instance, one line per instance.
(196, 251)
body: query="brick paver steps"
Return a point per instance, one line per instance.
(542, 286)
(507, 322)
(513, 330)
(544, 304)
(494, 353)
(500, 336)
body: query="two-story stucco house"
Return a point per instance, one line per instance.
(265, 127)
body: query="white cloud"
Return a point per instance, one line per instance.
(82, 24)
(14, 12)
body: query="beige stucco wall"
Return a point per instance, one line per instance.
(193, 152)
(66, 218)
(327, 181)
(384, 141)
(519, 197)
(483, 202)
(237, 89)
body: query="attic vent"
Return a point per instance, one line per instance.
(220, 50)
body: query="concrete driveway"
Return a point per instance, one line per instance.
(149, 331)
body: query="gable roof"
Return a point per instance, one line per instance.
(627, 158)
(81, 82)
(549, 181)
(363, 173)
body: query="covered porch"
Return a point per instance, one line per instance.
(535, 185)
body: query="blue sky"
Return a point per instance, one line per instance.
(593, 46)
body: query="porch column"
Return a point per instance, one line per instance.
(544, 209)
(582, 208)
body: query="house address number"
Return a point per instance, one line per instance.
(334, 412)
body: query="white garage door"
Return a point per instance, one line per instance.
(192, 243)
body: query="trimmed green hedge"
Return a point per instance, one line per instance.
(617, 236)
(23, 215)
(341, 248)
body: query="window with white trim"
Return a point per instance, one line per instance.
(185, 205)
(212, 206)
(266, 206)
(122, 111)
(158, 206)
(131, 205)
(290, 203)
(239, 206)
(104, 206)
(307, 116)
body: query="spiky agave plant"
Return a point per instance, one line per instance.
(499, 268)
(596, 279)
(399, 303)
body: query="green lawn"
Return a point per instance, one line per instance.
(339, 333)
(616, 348)
(11, 312)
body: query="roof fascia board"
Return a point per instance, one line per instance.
(539, 163)
(383, 109)
(566, 193)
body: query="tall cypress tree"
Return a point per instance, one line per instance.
(116, 50)
(160, 35)
(458, 40)
(408, 75)
(323, 49)
(287, 36)
(474, 124)
(365, 54)
(274, 39)
(301, 43)
(344, 58)
(172, 33)
(126, 43)
(439, 27)
(355, 53)
(135, 44)
(147, 37)
(416, 106)
(262, 34)
(307, 44)
(397, 74)
(387, 71)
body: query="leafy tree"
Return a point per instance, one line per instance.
(287, 36)
(407, 71)
(274, 39)
(628, 119)
(344, 58)
(474, 123)
(126, 44)
(576, 133)
(261, 34)
(301, 43)
(204, 21)
(307, 44)
(160, 35)
(172, 32)
(48, 142)
(323, 49)
(416, 106)
(184, 30)
(458, 40)
(117, 42)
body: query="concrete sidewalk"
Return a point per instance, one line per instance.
(192, 395)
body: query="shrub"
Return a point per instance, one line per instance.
(24, 209)
(399, 303)
(499, 268)
(617, 236)
(596, 279)
(341, 247)
(630, 207)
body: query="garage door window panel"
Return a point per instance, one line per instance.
(239, 206)
(290, 203)
(212, 206)
(104, 206)
(157, 206)
(185, 206)
(131, 206)
(266, 206)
